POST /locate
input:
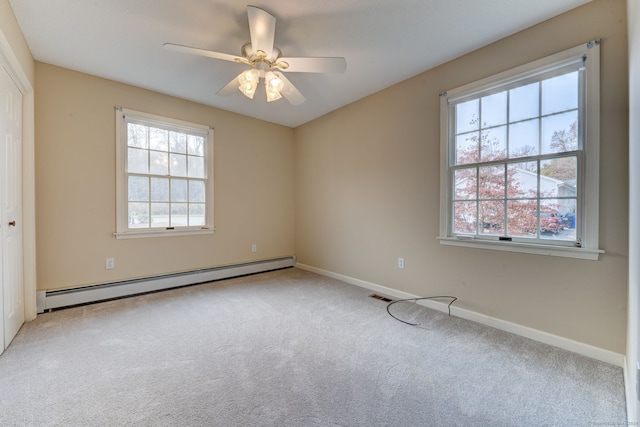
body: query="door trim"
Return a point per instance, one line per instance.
(9, 60)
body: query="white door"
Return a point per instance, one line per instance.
(11, 210)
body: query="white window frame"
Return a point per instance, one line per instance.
(589, 55)
(122, 228)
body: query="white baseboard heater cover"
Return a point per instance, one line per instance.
(48, 300)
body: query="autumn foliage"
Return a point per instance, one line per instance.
(517, 194)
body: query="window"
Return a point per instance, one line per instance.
(164, 177)
(520, 158)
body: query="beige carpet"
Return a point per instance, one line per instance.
(290, 348)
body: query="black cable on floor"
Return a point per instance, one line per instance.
(453, 299)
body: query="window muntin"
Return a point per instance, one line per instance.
(515, 164)
(164, 179)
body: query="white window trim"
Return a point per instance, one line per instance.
(590, 212)
(122, 230)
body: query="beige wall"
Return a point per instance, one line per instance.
(75, 185)
(367, 192)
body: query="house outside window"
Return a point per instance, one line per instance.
(164, 176)
(520, 154)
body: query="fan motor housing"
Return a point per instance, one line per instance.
(253, 56)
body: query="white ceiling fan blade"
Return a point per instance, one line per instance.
(289, 91)
(262, 27)
(230, 88)
(315, 65)
(201, 52)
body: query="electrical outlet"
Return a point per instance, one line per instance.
(109, 264)
(400, 262)
(254, 248)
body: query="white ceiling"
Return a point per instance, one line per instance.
(383, 41)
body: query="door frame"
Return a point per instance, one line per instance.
(9, 60)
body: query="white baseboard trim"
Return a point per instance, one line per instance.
(48, 300)
(593, 352)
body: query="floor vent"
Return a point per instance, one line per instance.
(381, 298)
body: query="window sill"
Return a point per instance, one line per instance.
(550, 250)
(161, 233)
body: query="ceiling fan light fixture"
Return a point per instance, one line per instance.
(249, 82)
(273, 86)
(262, 56)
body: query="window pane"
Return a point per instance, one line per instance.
(567, 208)
(138, 189)
(464, 217)
(549, 187)
(494, 144)
(177, 142)
(524, 139)
(559, 177)
(160, 215)
(465, 184)
(494, 109)
(178, 190)
(551, 221)
(159, 163)
(196, 214)
(196, 191)
(159, 189)
(522, 220)
(560, 133)
(467, 149)
(560, 93)
(196, 167)
(137, 135)
(158, 139)
(492, 217)
(179, 214)
(137, 161)
(178, 164)
(524, 102)
(491, 183)
(138, 215)
(195, 145)
(522, 180)
(467, 115)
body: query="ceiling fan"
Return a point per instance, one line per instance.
(265, 62)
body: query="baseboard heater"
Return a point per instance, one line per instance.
(49, 300)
